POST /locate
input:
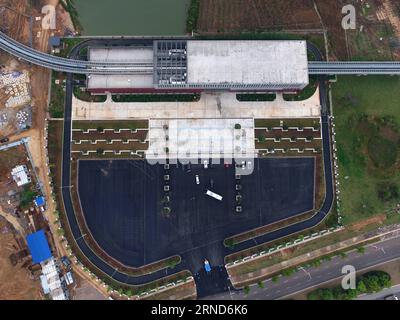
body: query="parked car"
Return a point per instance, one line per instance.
(392, 297)
(197, 179)
(205, 164)
(4, 140)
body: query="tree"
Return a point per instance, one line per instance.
(167, 211)
(351, 294)
(172, 263)
(313, 295)
(275, 278)
(325, 294)
(361, 250)
(238, 126)
(261, 285)
(27, 196)
(129, 293)
(230, 243)
(246, 290)
(288, 272)
(361, 287)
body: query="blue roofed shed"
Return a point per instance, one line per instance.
(54, 41)
(39, 201)
(38, 246)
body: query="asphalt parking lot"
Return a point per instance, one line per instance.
(123, 204)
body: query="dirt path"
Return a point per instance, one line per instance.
(14, 222)
(392, 17)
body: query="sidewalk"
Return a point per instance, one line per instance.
(211, 105)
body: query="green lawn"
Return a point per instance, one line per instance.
(367, 118)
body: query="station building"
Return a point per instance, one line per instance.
(198, 65)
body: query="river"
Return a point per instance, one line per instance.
(132, 17)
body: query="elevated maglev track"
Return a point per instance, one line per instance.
(70, 65)
(87, 67)
(354, 68)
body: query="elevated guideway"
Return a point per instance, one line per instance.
(354, 68)
(89, 67)
(70, 65)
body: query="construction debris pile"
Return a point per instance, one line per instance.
(15, 99)
(16, 88)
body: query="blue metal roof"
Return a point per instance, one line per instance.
(39, 201)
(38, 246)
(55, 41)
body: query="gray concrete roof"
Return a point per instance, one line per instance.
(247, 62)
(120, 81)
(122, 54)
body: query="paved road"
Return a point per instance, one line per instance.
(375, 254)
(381, 295)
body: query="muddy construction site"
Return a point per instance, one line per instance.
(17, 281)
(377, 33)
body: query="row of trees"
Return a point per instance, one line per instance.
(193, 15)
(373, 281)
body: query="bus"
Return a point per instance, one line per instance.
(214, 195)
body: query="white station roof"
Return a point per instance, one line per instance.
(247, 62)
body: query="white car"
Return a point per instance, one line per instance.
(197, 179)
(205, 164)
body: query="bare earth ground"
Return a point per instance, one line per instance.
(375, 37)
(40, 83)
(84, 290)
(15, 282)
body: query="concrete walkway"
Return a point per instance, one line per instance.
(211, 105)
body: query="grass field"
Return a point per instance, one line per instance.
(367, 118)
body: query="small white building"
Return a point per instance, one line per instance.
(50, 280)
(21, 176)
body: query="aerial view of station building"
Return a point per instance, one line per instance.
(199, 150)
(199, 65)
